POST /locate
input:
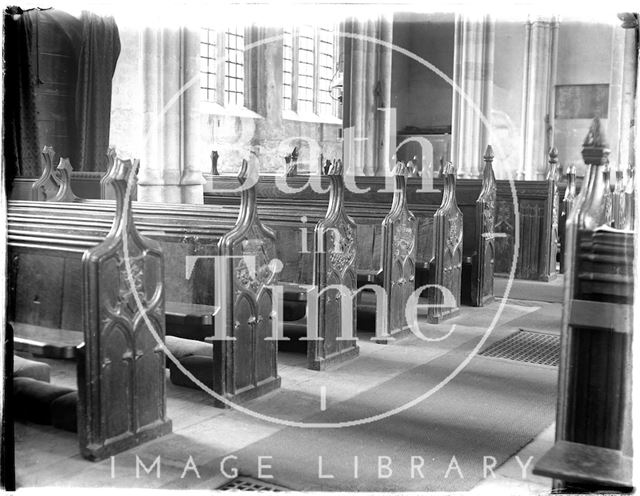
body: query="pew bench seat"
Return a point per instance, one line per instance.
(588, 465)
(46, 341)
(195, 356)
(189, 320)
(44, 403)
(32, 369)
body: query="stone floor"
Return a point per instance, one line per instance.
(48, 457)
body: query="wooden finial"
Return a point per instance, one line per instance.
(123, 172)
(629, 20)
(595, 136)
(336, 168)
(488, 154)
(112, 153)
(106, 191)
(291, 160)
(488, 158)
(47, 185)
(448, 169)
(243, 173)
(65, 193)
(214, 163)
(401, 169)
(552, 175)
(48, 153)
(595, 150)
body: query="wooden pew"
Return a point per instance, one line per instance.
(476, 198)
(247, 307)
(334, 264)
(567, 205)
(445, 268)
(593, 441)
(618, 208)
(630, 200)
(44, 188)
(536, 255)
(193, 216)
(398, 257)
(104, 319)
(368, 212)
(593, 451)
(477, 281)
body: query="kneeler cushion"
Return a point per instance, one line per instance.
(30, 368)
(181, 348)
(64, 412)
(32, 399)
(200, 366)
(294, 310)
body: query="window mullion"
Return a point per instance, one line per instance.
(295, 70)
(338, 65)
(220, 69)
(316, 71)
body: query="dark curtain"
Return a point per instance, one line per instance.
(21, 150)
(97, 62)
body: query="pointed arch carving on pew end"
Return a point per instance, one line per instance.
(483, 266)
(123, 285)
(447, 262)
(399, 246)
(249, 299)
(335, 263)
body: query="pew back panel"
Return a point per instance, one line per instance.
(248, 364)
(118, 281)
(535, 254)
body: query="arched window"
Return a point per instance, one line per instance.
(310, 59)
(222, 65)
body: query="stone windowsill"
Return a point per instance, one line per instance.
(213, 108)
(290, 115)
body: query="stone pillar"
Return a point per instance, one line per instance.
(627, 93)
(367, 87)
(473, 76)
(168, 167)
(386, 131)
(150, 175)
(369, 99)
(263, 94)
(536, 111)
(192, 181)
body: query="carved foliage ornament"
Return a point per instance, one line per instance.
(488, 214)
(403, 241)
(455, 231)
(125, 304)
(341, 248)
(253, 271)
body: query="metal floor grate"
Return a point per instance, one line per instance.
(527, 346)
(248, 484)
